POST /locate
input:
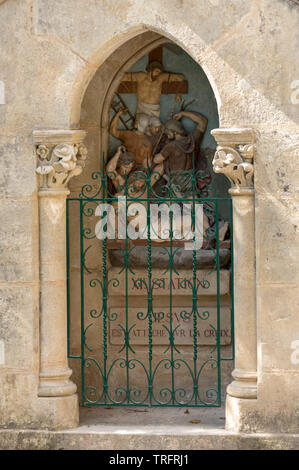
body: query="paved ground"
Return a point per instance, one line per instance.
(105, 428)
(156, 420)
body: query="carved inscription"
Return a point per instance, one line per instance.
(182, 326)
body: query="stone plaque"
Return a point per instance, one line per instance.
(181, 284)
(182, 323)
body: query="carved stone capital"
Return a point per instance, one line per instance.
(60, 156)
(234, 157)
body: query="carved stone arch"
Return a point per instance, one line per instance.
(106, 52)
(62, 152)
(147, 39)
(234, 157)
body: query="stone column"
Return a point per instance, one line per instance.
(234, 158)
(61, 155)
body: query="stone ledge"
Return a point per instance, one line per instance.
(140, 439)
(104, 428)
(233, 135)
(54, 137)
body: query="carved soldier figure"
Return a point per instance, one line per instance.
(120, 167)
(135, 141)
(121, 164)
(177, 153)
(117, 170)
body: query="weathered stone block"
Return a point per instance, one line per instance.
(17, 163)
(277, 239)
(19, 325)
(19, 240)
(278, 307)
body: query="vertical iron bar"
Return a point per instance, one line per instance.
(232, 277)
(170, 295)
(104, 299)
(194, 291)
(68, 276)
(218, 307)
(149, 272)
(82, 305)
(127, 339)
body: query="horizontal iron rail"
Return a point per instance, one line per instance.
(114, 199)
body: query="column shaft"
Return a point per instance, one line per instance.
(245, 374)
(234, 158)
(54, 371)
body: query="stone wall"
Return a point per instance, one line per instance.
(249, 52)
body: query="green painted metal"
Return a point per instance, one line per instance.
(116, 370)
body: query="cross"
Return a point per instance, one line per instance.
(167, 87)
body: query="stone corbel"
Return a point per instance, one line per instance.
(234, 157)
(60, 156)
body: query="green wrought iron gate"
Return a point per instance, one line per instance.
(153, 328)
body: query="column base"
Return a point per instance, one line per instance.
(56, 384)
(241, 415)
(57, 413)
(245, 385)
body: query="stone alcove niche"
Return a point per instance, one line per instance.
(95, 119)
(233, 157)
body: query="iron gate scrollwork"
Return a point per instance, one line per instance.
(148, 335)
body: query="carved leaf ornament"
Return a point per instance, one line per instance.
(229, 162)
(57, 165)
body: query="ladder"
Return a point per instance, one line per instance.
(125, 118)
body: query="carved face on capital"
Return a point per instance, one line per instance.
(225, 161)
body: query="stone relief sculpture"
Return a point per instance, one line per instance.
(160, 154)
(168, 143)
(59, 163)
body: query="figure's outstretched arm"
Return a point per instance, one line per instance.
(175, 77)
(200, 120)
(112, 164)
(110, 169)
(113, 126)
(133, 76)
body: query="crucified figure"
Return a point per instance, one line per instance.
(149, 90)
